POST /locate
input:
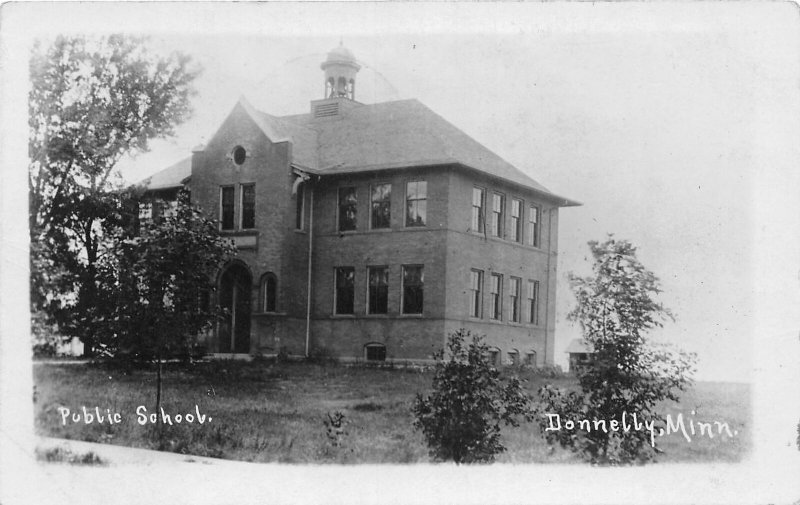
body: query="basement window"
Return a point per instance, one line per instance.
(513, 357)
(375, 352)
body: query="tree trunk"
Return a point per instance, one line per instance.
(88, 288)
(158, 390)
(155, 338)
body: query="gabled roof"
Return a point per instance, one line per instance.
(174, 176)
(382, 136)
(304, 140)
(579, 345)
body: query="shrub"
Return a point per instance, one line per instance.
(283, 354)
(322, 355)
(45, 338)
(334, 428)
(63, 455)
(549, 371)
(461, 418)
(334, 434)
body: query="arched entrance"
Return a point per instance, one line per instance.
(235, 285)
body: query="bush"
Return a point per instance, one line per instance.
(549, 371)
(322, 355)
(44, 335)
(461, 418)
(63, 455)
(283, 354)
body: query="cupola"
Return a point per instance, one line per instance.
(340, 69)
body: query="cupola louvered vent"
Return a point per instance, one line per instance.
(326, 109)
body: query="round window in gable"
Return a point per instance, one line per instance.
(239, 155)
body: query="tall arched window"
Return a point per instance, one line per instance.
(269, 292)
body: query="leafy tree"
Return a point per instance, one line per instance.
(91, 102)
(616, 306)
(461, 418)
(159, 284)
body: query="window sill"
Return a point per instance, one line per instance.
(236, 233)
(495, 238)
(343, 316)
(409, 229)
(270, 314)
(411, 316)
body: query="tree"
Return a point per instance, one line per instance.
(91, 102)
(615, 308)
(158, 284)
(461, 418)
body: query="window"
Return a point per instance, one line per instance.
(347, 209)
(498, 203)
(416, 203)
(380, 216)
(269, 292)
(169, 208)
(145, 211)
(495, 290)
(492, 355)
(530, 358)
(478, 198)
(378, 290)
(239, 155)
(299, 207)
(375, 352)
(413, 282)
(248, 206)
(476, 293)
(514, 294)
(226, 207)
(533, 302)
(516, 220)
(344, 291)
(513, 357)
(533, 226)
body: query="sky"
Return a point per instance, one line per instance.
(654, 117)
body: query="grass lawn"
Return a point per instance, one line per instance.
(275, 412)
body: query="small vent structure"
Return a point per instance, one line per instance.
(326, 110)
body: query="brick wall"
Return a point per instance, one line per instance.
(405, 336)
(279, 248)
(446, 246)
(468, 250)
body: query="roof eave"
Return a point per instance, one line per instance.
(557, 200)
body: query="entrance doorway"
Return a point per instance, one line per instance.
(235, 287)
